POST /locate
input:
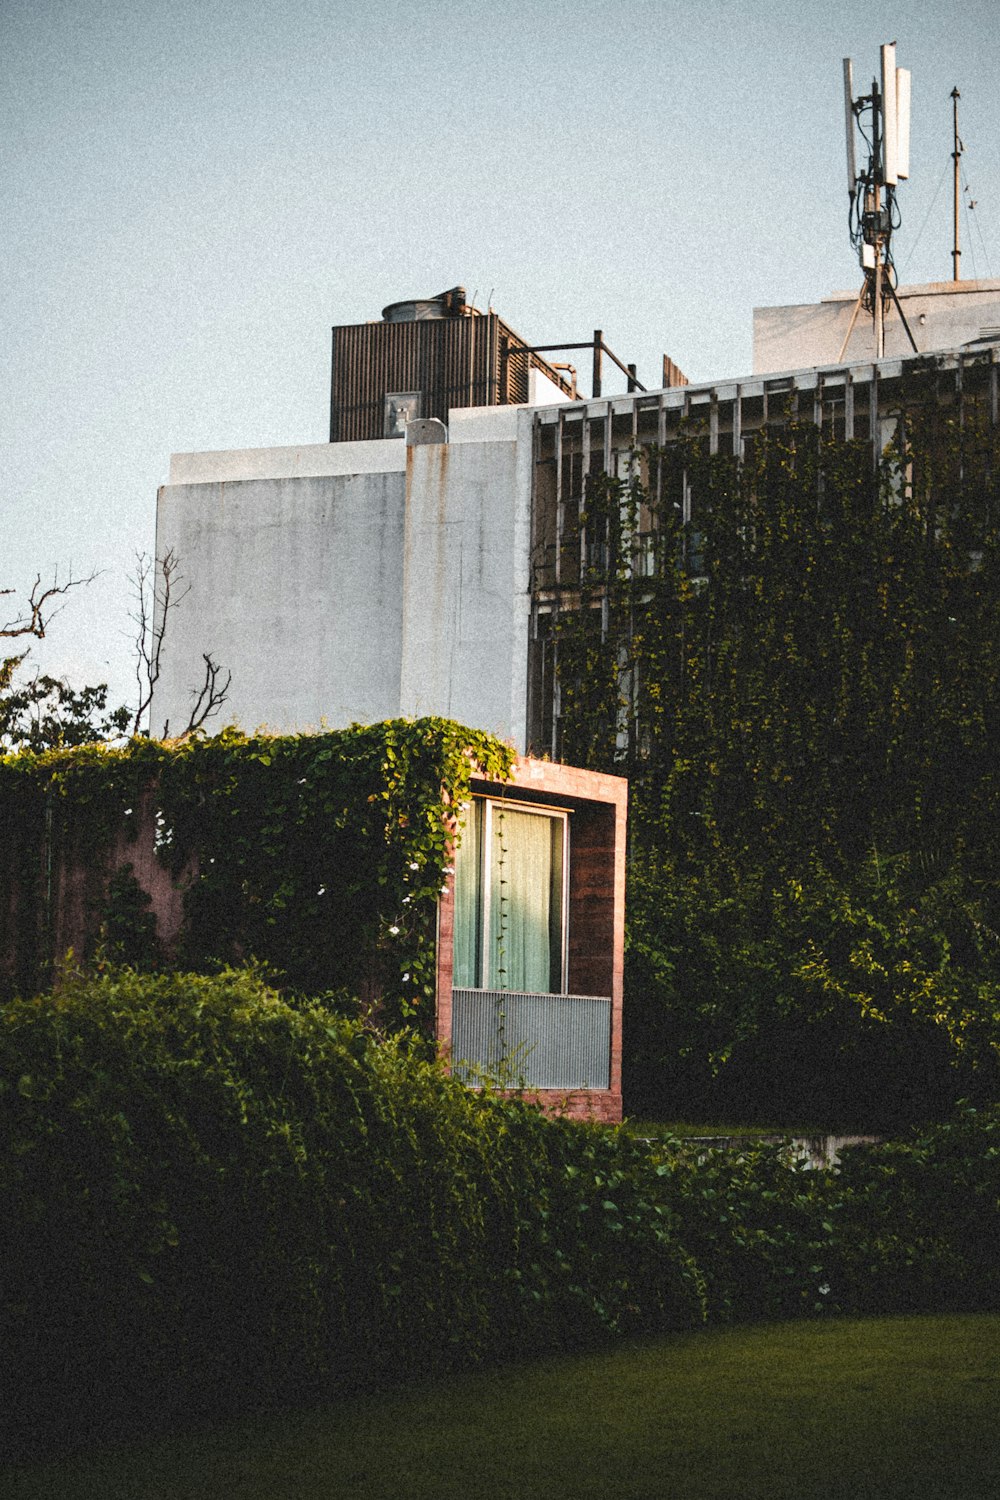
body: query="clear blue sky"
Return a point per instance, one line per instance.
(195, 190)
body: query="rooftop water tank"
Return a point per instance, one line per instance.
(450, 304)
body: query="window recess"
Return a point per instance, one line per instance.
(511, 898)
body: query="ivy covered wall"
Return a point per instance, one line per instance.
(320, 856)
(802, 682)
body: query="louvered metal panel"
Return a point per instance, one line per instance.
(541, 1041)
(453, 362)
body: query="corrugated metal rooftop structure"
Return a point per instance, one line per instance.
(426, 357)
(439, 354)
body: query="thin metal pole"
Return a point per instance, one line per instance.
(956, 253)
(899, 309)
(598, 347)
(854, 319)
(878, 150)
(560, 502)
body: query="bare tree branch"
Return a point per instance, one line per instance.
(37, 614)
(210, 697)
(157, 589)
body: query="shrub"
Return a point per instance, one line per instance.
(757, 1226)
(598, 1253)
(211, 1198)
(907, 1226)
(918, 1220)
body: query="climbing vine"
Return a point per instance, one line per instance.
(320, 856)
(804, 689)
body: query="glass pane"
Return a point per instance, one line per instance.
(525, 921)
(469, 901)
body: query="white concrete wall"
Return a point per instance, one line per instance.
(544, 392)
(466, 601)
(296, 588)
(941, 315)
(355, 581)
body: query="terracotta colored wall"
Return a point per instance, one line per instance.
(596, 910)
(65, 909)
(596, 904)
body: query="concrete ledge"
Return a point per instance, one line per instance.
(483, 424)
(307, 461)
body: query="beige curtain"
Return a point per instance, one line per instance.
(525, 902)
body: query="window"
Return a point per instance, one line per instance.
(510, 898)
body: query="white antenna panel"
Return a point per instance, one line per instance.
(902, 122)
(852, 169)
(890, 170)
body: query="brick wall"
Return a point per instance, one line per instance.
(596, 911)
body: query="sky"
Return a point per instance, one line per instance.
(194, 191)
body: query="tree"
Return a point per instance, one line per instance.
(41, 608)
(45, 712)
(157, 591)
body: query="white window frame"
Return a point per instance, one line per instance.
(559, 815)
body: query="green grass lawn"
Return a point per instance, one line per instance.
(843, 1409)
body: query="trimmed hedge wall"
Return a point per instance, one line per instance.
(210, 1198)
(321, 856)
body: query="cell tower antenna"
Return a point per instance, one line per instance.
(883, 120)
(956, 254)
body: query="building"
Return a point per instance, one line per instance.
(940, 315)
(531, 936)
(530, 930)
(426, 574)
(428, 357)
(358, 581)
(381, 574)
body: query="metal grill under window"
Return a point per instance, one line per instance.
(532, 1041)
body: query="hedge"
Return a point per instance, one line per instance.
(212, 1198)
(322, 856)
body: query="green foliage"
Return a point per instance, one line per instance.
(917, 1222)
(912, 1225)
(44, 713)
(128, 927)
(805, 694)
(757, 1226)
(598, 1253)
(324, 855)
(811, 998)
(209, 1197)
(319, 855)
